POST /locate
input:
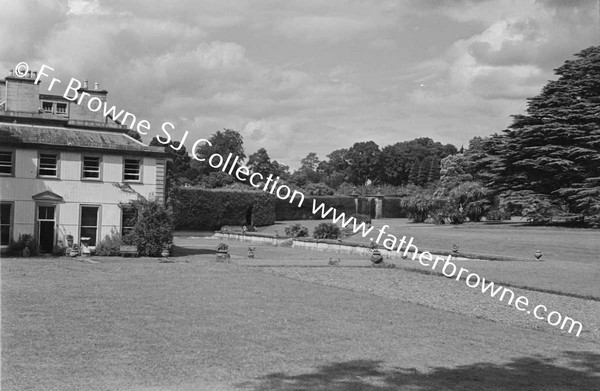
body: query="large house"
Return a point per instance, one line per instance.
(65, 170)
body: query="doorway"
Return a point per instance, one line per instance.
(46, 223)
(249, 216)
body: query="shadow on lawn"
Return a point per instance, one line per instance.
(530, 373)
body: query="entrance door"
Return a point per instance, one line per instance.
(46, 225)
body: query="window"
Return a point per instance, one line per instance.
(61, 108)
(132, 170)
(91, 167)
(48, 164)
(128, 219)
(47, 107)
(6, 162)
(46, 213)
(89, 223)
(5, 223)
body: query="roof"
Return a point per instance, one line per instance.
(49, 137)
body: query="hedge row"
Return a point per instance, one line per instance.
(197, 209)
(286, 211)
(392, 208)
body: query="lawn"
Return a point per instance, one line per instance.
(571, 260)
(200, 325)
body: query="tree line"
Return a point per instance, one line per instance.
(544, 167)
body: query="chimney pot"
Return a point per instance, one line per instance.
(85, 84)
(12, 72)
(96, 85)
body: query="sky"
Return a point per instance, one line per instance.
(306, 76)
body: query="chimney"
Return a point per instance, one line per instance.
(85, 84)
(96, 85)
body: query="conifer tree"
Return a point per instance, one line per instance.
(553, 151)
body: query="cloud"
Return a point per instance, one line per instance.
(26, 27)
(311, 75)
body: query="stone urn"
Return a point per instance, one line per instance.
(223, 252)
(376, 256)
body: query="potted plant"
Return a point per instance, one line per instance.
(74, 251)
(223, 251)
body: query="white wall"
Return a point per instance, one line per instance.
(74, 190)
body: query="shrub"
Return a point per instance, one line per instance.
(297, 230)
(319, 189)
(326, 231)
(497, 214)
(25, 240)
(153, 230)
(110, 245)
(222, 247)
(362, 218)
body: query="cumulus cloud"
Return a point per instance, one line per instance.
(302, 76)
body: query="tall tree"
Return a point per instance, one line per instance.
(364, 162)
(223, 143)
(414, 172)
(554, 150)
(424, 169)
(260, 162)
(434, 171)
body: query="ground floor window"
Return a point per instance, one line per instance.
(89, 223)
(5, 223)
(128, 219)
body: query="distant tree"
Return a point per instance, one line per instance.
(260, 162)
(364, 162)
(453, 171)
(397, 159)
(424, 169)
(134, 134)
(223, 142)
(310, 162)
(434, 171)
(413, 174)
(280, 170)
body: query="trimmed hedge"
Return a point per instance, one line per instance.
(392, 208)
(286, 211)
(197, 209)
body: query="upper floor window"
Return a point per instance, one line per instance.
(132, 170)
(48, 164)
(91, 167)
(47, 107)
(6, 162)
(54, 108)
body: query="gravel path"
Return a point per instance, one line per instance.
(451, 295)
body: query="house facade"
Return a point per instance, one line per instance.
(65, 170)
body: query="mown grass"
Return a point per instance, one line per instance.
(570, 264)
(200, 325)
